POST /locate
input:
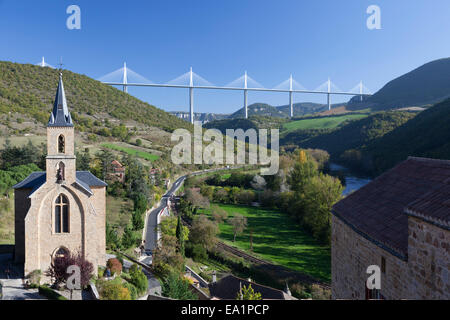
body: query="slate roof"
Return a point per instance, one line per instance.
(433, 207)
(378, 211)
(228, 287)
(60, 116)
(85, 179)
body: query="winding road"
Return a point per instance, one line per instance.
(151, 233)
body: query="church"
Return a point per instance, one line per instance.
(60, 210)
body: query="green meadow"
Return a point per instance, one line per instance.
(279, 239)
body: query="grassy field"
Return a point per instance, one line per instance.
(118, 212)
(138, 153)
(276, 237)
(7, 220)
(321, 122)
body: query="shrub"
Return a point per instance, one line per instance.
(300, 291)
(132, 289)
(34, 277)
(114, 266)
(176, 287)
(100, 272)
(138, 279)
(50, 293)
(205, 276)
(114, 291)
(58, 269)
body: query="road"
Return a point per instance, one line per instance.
(151, 234)
(153, 283)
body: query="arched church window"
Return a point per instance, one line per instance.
(61, 252)
(61, 174)
(61, 144)
(61, 214)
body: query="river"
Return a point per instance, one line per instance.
(352, 181)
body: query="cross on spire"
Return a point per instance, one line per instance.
(60, 64)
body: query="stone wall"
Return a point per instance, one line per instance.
(351, 254)
(21, 204)
(423, 276)
(429, 260)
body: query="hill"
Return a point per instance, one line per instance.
(325, 122)
(260, 109)
(29, 90)
(358, 133)
(425, 85)
(426, 135)
(284, 111)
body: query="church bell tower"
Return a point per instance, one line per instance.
(60, 161)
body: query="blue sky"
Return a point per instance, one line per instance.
(221, 39)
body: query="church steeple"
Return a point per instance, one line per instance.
(60, 116)
(61, 158)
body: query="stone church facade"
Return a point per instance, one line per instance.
(401, 223)
(61, 209)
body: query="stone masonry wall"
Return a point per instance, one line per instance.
(351, 254)
(21, 205)
(429, 260)
(424, 276)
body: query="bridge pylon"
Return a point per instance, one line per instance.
(328, 94)
(291, 100)
(191, 96)
(125, 78)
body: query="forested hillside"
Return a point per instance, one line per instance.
(426, 135)
(30, 90)
(428, 84)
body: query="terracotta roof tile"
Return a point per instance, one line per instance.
(377, 210)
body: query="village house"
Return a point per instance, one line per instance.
(399, 222)
(60, 210)
(117, 172)
(229, 286)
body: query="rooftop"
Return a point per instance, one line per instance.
(379, 210)
(85, 179)
(228, 287)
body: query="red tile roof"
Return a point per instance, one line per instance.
(377, 210)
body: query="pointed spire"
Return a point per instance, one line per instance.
(60, 116)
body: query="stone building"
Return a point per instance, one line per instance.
(399, 222)
(117, 172)
(61, 209)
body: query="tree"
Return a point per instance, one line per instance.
(303, 170)
(129, 239)
(114, 266)
(113, 291)
(245, 197)
(204, 232)
(58, 269)
(196, 200)
(105, 157)
(321, 194)
(176, 287)
(138, 279)
(137, 221)
(84, 160)
(219, 214)
(112, 239)
(167, 257)
(239, 223)
(247, 293)
(180, 236)
(169, 226)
